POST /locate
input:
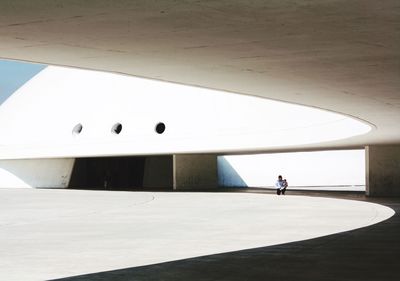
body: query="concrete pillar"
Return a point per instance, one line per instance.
(195, 171)
(382, 170)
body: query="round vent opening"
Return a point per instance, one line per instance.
(116, 129)
(77, 129)
(160, 128)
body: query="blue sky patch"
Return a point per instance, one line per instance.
(14, 74)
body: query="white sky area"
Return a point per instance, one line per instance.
(306, 169)
(38, 119)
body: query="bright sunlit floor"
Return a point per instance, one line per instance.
(47, 234)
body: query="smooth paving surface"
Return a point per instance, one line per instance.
(367, 254)
(50, 234)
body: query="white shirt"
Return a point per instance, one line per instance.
(280, 184)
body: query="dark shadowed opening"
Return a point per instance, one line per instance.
(122, 173)
(108, 173)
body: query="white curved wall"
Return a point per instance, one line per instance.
(338, 170)
(30, 173)
(37, 121)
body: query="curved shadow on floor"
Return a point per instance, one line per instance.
(370, 253)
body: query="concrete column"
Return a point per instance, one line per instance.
(195, 171)
(382, 170)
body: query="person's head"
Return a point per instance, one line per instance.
(280, 177)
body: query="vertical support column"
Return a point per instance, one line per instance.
(195, 171)
(382, 170)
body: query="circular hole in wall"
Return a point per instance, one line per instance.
(160, 128)
(117, 128)
(77, 129)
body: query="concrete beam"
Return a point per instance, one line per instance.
(195, 171)
(382, 170)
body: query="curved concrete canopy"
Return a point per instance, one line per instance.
(64, 112)
(337, 55)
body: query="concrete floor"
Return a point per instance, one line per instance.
(99, 235)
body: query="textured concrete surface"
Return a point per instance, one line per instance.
(49, 234)
(193, 171)
(382, 170)
(28, 173)
(339, 55)
(366, 254)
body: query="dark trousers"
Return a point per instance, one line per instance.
(279, 191)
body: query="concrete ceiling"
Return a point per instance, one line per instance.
(337, 55)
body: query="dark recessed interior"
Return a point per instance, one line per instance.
(123, 173)
(108, 173)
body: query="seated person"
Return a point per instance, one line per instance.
(279, 185)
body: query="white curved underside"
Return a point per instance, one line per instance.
(38, 120)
